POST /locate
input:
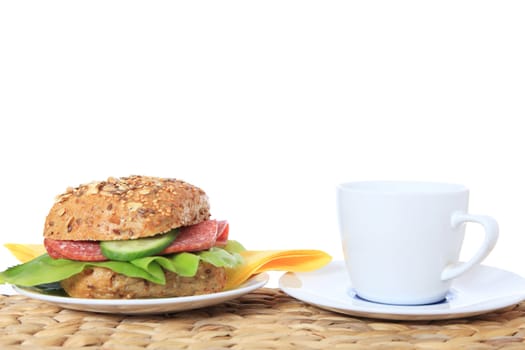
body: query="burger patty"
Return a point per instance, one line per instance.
(102, 283)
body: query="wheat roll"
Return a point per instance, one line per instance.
(125, 208)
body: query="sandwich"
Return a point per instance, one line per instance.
(131, 237)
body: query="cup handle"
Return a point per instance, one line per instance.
(491, 236)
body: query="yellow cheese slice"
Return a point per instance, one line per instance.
(275, 260)
(254, 261)
(25, 252)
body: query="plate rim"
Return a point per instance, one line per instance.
(399, 312)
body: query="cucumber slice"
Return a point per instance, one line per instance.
(137, 248)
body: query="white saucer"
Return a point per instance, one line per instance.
(147, 306)
(481, 290)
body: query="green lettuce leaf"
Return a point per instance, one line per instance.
(234, 247)
(220, 257)
(45, 269)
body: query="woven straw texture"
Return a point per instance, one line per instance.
(264, 319)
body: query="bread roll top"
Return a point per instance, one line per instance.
(125, 208)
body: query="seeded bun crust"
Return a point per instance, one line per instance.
(125, 208)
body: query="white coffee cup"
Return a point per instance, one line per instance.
(402, 240)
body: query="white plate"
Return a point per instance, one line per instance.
(6, 289)
(147, 306)
(481, 290)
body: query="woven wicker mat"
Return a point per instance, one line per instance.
(264, 319)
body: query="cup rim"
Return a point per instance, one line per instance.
(401, 187)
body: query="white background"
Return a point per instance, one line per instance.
(266, 105)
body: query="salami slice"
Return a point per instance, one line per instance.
(193, 238)
(74, 250)
(223, 230)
